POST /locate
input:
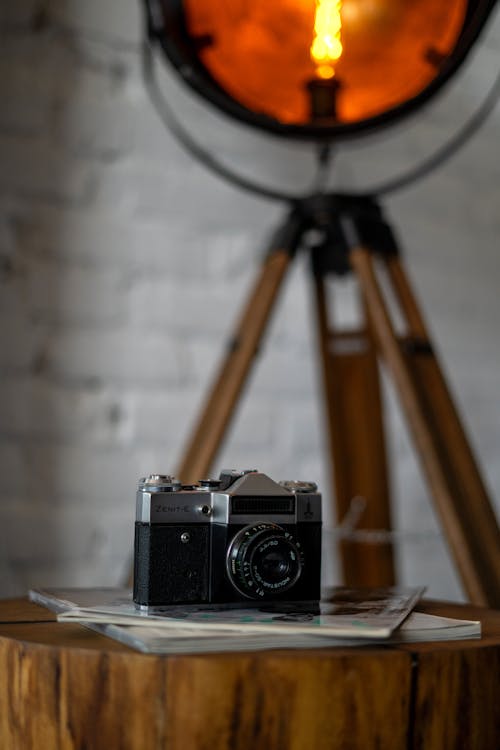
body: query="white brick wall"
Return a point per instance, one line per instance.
(122, 263)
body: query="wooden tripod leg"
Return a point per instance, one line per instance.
(467, 517)
(357, 445)
(223, 396)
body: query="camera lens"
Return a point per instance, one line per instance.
(263, 560)
(275, 566)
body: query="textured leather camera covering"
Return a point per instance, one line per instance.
(168, 571)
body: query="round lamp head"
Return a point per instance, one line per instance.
(317, 68)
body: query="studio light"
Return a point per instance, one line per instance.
(323, 71)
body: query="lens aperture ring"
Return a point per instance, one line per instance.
(264, 560)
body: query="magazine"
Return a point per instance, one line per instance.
(102, 610)
(348, 613)
(158, 640)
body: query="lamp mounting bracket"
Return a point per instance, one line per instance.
(330, 225)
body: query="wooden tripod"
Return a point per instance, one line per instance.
(355, 238)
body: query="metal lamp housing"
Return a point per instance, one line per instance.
(251, 59)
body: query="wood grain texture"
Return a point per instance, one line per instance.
(353, 416)
(457, 702)
(289, 701)
(466, 515)
(234, 369)
(66, 687)
(71, 698)
(22, 610)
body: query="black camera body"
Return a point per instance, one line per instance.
(240, 539)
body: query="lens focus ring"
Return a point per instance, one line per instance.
(264, 560)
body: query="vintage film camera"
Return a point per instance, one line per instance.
(240, 539)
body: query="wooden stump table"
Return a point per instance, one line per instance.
(64, 686)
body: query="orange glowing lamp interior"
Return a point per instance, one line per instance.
(382, 52)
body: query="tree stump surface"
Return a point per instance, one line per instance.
(65, 687)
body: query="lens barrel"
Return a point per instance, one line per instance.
(263, 560)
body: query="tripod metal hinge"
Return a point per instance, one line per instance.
(343, 223)
(363, 225)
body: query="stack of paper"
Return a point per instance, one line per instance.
(349, 617)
